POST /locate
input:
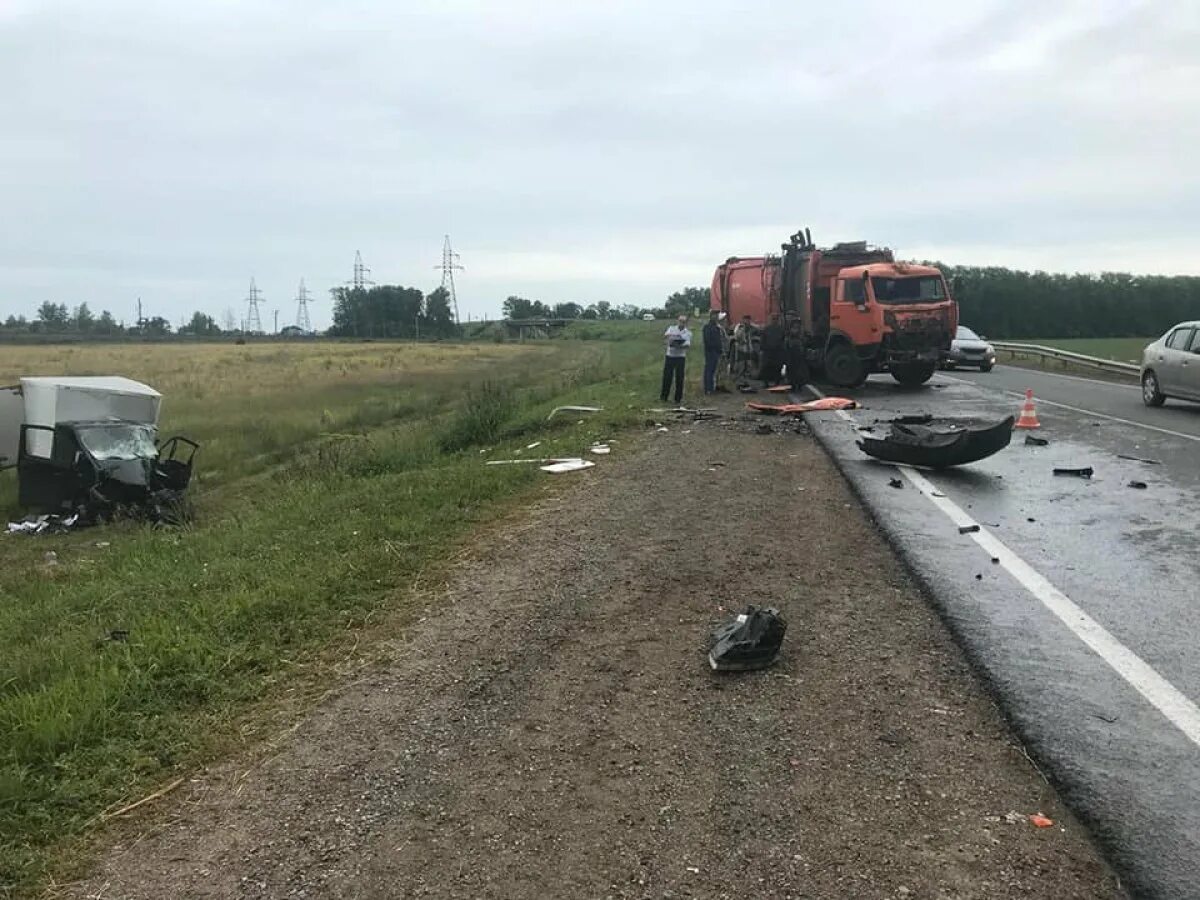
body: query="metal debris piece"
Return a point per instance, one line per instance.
(1033, 441)
(1084, 472)
(578, 409)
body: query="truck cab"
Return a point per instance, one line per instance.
(893, 316)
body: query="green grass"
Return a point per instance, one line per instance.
(320, 502)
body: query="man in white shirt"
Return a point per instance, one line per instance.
(678, 340)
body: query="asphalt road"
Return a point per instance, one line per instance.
(1079, 600)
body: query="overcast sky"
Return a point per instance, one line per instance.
(578, 151)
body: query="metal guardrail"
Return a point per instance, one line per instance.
(1066, 356)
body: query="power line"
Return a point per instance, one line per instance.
(449, 264)
(253, 321)
(302, 320)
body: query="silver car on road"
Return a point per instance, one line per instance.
(1171, 366)
(969, 349)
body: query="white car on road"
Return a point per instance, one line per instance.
(969, 349)
(1171, 366)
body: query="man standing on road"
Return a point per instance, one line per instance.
(678, 340)
(714, 346)
(773, 346)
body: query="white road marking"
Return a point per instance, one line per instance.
(1087, 412)
(1178, 709)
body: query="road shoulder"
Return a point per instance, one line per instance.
(551, 728)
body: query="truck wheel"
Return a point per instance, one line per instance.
(912, 374)
(843, 367)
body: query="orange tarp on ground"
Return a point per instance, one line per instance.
(784, 409)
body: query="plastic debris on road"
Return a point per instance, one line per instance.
(941, 445)
(568, 465)
(1041, 821)
(751, 641)
(1034, 441)
(48, 524)
(1139, 485)
(600, 449)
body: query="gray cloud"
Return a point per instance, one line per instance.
(594, 151)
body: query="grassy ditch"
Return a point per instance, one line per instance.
(331, 476)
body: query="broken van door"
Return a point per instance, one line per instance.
(12, 414)
(173, 467)
(46, 476)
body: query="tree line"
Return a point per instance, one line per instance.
(1003, 303)
(998, 302)
(392, 311)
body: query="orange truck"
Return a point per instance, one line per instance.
(852, 308)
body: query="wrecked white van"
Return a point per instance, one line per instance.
(90, 444)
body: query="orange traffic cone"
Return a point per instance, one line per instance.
(1028, 417)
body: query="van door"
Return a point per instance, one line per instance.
(12, 414)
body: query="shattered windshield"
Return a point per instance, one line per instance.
(917, 289)
(118, 441)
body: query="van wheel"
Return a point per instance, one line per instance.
(843, 367)
(1151, 395)
(912, 374)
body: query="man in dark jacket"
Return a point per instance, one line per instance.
(714, 346)
(773, 346)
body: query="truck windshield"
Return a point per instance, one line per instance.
(915, 289)
(118, 441)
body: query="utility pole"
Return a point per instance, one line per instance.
(276, 322)
(303, 322)
(361, 272)
(141, 322)
(253, 320)
(448, 265)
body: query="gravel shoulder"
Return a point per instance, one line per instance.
(551, 728)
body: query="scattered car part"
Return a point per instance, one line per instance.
(577, 409)
(968, 529)
(1033, 441)
(1140, 485)
(939, 446)
(751, 641)
(568, 465)
(1083, 472)
(1149, 462)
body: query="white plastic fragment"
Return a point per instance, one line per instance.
(568, 465)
